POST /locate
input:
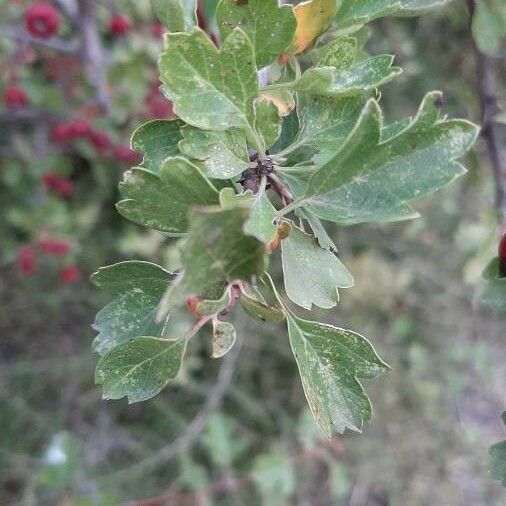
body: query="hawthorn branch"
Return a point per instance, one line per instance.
(195, 428)
(27, 115)
(91, 52)
(317, 453)
(61, 45)
(67, 9)
(491, 129)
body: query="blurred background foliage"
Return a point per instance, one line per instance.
(236, 431)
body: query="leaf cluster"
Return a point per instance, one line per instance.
(279, 130)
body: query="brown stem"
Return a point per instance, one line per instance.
(280, 190)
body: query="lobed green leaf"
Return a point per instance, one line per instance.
(176, 15)
(211, 89)
(162, 202)
(312, 274)
(157, 140)
(331, 362)
(356, 13)
(218, 252)
(223, 154)
(139, 287)
(139, 368)
(269, 26)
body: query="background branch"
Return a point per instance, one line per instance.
(189, 438)
(493, 132)
(316, 453)
(92, 54)
(61, 45)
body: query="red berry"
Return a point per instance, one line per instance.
(79, 128)
(160, 108)
(502, 256)
(69, 274)
(99, 140)
(54, 247)
(65, 188)
(50, 180)
(58, 184)
(15, 96)
(27, 262)
(124, 154)
(157, 30)
(119, 25)
(60, 133)
(42, 20)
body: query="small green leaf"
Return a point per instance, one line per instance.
(319, 231)
(267, 122)
(224, 337)
(132, 275)
(139, 368)
(369, 179)
(129, 315)
(260, 223)
(222, 441)
(497, 461)
(140, 286)
(274, 477)
(223, 154)
(229, 199)
(326, 122)
(210, 89)
(260, 311)
(162, 202)
(339, 53)
(217, 251)
(494, 290)
(176, 15)
(356, 13)
(491, 271)
(356, 209)
(208, 307)
(312, 274)
(269, 26)
(489, 29)
(331, 361)
(363, 76)
(157, 140)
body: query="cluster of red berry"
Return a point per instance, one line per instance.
(65, 132)
(43, 20)
(59, 185)
(28, 259)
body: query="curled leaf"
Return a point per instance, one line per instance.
(224, 336)
(261, 311)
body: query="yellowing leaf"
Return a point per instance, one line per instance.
(312, 18)
(282, 99)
